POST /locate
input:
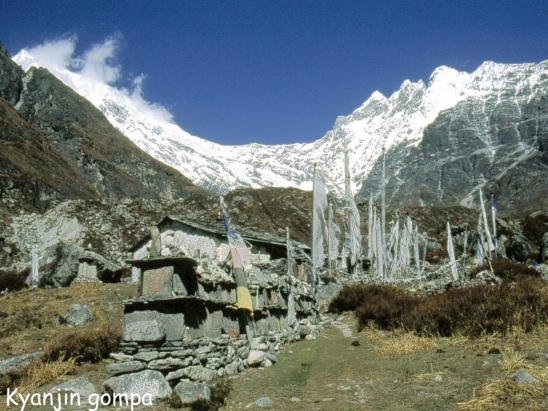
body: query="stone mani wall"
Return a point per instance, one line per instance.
(197, 333)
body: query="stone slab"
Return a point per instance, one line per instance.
(158, 282)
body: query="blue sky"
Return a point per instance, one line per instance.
(281, 71)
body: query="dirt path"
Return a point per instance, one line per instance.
(340, 372)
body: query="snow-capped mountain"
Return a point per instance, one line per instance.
(497, 139)
(379, 123)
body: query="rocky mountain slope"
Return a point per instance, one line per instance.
(499, 143)
(379, 123)
(56, 145)
(109, 228)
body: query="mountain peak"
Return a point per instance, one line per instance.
(377, 95)
(379, 122)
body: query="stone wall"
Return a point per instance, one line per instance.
(186, 325)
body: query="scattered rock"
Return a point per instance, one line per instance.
(264, 402)
(148, 382)
(190, 392)
(521, 376)
(77, 315)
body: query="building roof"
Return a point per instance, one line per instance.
(217, 228)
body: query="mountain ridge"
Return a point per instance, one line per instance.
(378, 123)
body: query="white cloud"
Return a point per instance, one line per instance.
(95, 68)
(99, 62)
(52, 54)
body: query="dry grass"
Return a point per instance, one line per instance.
(41, 373)
(512, 360)
(506, 394)
(400, 342)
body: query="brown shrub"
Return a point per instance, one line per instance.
(349, 298)
(481, 309)
(385, 306)
(353, 296)
(90, 344)
(220, 389)
(13, 280)
(472, 311)
(507, 270)
(8, 381)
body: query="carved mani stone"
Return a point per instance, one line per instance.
(158, 281)
(143, 326)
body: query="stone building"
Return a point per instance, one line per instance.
(207, 243)
(185, 326)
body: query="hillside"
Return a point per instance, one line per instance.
(69, 133)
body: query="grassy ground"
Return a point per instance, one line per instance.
(340, 370)
(29, 318)
(29, 323)
(386, 371)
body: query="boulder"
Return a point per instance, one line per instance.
(521, 376)
(81, 386)
(189, 392)
(521, 248)
(255, 358)
(60, 265)
(125, 367)
(77, 315)
(148, 382)
(175, 375)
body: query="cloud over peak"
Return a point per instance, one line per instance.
(95, 68)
